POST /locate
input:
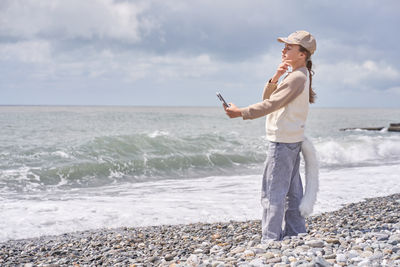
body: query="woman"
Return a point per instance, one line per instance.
(286, 106)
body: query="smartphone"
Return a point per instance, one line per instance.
(222, 100)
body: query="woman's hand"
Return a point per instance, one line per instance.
(233, 111)
(282, 69)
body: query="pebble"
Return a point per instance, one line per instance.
(249, 254)
(198, 251)
(315, 243)
(214, 249)
(333, 241)
(257, 262)
(274, 260)
(192, 260)
(360, 234)
(237, 250)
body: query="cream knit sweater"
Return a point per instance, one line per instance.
(286, 106)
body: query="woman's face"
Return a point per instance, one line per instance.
(291, 54)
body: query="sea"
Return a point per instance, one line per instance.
(75, 168)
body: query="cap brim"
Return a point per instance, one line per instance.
(282, 39)
(285, 40)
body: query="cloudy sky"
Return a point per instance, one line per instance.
(180, 52)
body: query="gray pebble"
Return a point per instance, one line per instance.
(315, 243)
(169, 257)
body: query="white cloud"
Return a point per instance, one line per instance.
(180, 67)
(130, 66)
(73, 19)
(35, 51)
(168, 67)
(382, 69)
(338, 50)
(358, 73)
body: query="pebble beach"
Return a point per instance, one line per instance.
(359, 234)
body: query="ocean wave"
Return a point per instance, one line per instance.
(357, 150)
(161, 155)
(133, 158)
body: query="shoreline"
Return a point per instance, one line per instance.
(365, 233)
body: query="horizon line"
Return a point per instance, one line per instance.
(173, 106)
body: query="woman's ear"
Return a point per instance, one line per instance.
(303, 55)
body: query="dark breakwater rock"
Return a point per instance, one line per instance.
(393, 127)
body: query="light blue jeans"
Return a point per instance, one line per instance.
(282, 192)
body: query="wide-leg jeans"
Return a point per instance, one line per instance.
(282, 192)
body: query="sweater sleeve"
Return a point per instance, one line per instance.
(290, 88)
(269, 89)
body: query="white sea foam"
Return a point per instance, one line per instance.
(158, 133)
(116, 174)
(359, 150)
(21, 175)
(61, 154)
(208, 199)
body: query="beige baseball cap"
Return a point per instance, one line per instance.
(303, 38)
